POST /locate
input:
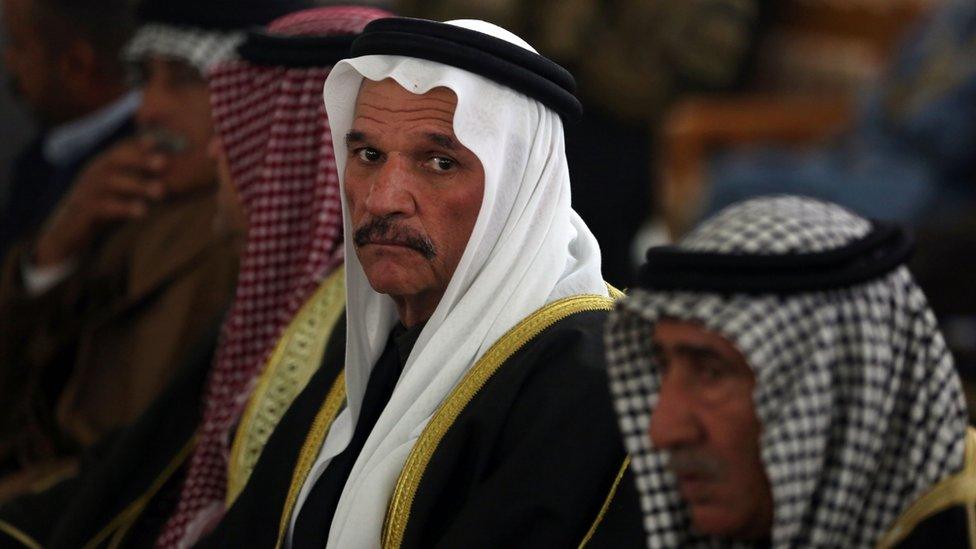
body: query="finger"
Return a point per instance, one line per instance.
(133, 157)
(115, 209)
(123, 185)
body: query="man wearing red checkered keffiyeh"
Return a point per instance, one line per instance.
(278, 146)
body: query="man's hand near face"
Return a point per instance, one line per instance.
(118, 185)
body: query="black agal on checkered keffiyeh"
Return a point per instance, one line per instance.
(859, 401)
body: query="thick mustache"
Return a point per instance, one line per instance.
(384, 229)
(691, 462)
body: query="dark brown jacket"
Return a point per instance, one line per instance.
(90, 354)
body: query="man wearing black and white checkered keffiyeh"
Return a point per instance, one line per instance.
(860, 411)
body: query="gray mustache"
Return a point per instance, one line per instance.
(683, 462)
(163, 140)
(384, 228)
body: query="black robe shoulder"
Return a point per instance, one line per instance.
(119, 473)
(125, 497)
(944, 516)
(535, 459)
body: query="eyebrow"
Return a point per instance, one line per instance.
(700, 353)
(443, 140)
(355, 136)
(439, 139)
(692, 352)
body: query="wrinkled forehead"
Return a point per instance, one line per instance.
(387, 101)
(675, 332)
(481, 117)
(392, 118)
(732, 323)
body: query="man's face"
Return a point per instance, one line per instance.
(413, 191)
(706, 419)
(175, 111)
(31, 66)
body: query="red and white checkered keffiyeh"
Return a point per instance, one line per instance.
(275, 133)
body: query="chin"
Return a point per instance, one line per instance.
(389, 279)
(187, 175)
(724, 522)
(393, 271)
(387, 287)
(712, 520)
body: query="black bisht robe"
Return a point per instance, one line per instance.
(130, 484)
(532, 461)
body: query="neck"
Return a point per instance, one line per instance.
(415, 310)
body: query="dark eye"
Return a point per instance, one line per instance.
(713, 371)
(368, 155)
(441, 163)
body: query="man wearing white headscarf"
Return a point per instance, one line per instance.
(470, 412)
(780, 381)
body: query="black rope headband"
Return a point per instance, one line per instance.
(883, 249)
(217, 15)
(476, 52)
(263, 48)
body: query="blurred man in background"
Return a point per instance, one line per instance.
(64, 63)
(908, 156)
(128, 272)
(286, 309)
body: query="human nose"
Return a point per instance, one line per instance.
(390, 192)
(674, 423)
(153, 107)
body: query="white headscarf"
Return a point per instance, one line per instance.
(528, 248)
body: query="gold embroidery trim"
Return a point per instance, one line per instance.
(959, 489)
(120, 525)
(19, 535)
(407, 484)
(606, 503)
(310, 450)
(291, 365)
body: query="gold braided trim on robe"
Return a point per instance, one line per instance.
(310, 449)
(113, 534)
(959, 489)
(18, 535)
(606, 503)
(296, 357)
(398, 513)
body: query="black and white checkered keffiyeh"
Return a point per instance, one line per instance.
(202, 48)
(859, 401)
